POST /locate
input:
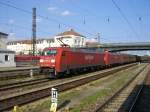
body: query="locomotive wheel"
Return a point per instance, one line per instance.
(68, 71)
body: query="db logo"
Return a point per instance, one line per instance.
(89, 57)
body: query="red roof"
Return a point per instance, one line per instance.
(70, 32)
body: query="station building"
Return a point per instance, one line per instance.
(25, 46)
(3, 40)
(6, 56)
(69, 37)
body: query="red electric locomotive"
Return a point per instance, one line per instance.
(64, 59)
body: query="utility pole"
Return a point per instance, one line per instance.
(33, 31)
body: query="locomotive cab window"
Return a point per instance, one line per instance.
(50, 52)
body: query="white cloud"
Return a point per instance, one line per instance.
(52, 8)
(11, 21)
(11, 34)
(66, 13)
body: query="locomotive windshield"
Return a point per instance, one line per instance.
(50, 52)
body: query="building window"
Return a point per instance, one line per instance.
(6, 58)
(75, 41)
(79, 42)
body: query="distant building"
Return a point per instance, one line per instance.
(6, 56)
(25, 46)
(43, 43)
(71, 38)
(20, 47)
(3, 40)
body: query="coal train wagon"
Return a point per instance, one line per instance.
(65, 59)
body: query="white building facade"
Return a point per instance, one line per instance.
(20, 47)
(25, 46)
(43, 43)
(6, 56)
(3, 40)
(70, 38)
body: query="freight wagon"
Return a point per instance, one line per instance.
(26, 60)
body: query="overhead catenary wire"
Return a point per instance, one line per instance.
(108, 19)
(125, 18)
(21, 27)
(29, 29)
(139, 18)
(46, 18)
(87, 11)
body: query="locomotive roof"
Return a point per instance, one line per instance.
(73, 49)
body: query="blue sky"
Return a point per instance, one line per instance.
(87, 17)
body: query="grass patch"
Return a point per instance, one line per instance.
(114, 82)
(91, 100)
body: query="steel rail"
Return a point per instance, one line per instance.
(117, 92)
(22, 84)
(138, 95)
(27, 97)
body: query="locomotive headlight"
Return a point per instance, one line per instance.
(52, 60)
(41, 60)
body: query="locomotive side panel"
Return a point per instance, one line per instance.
(80, 59)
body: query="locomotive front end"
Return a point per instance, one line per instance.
(48, 59)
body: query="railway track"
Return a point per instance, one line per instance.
(121, 100)
(17, 72)
(22, 84)
(32, 95)
(142, 99)
(7, 88)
